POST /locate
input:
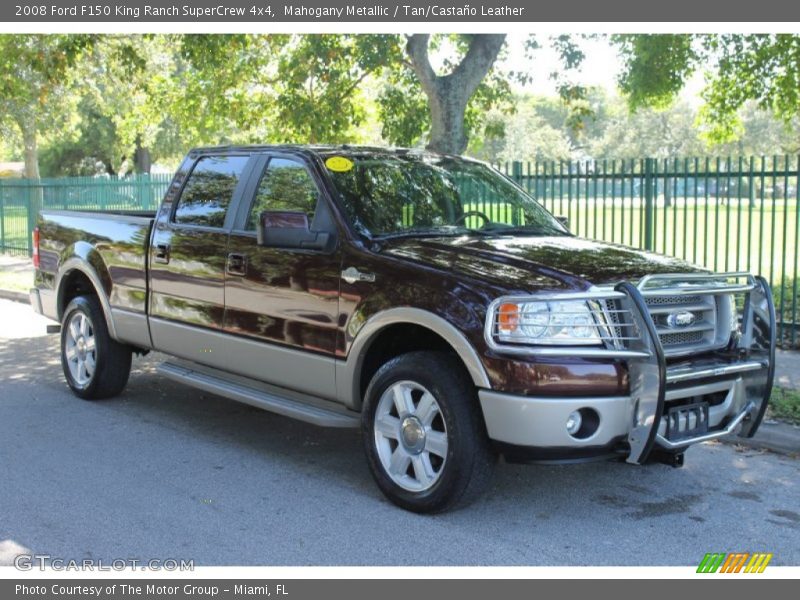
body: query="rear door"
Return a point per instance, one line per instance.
(283, 303)
(187, 259)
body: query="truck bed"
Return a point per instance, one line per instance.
(115, 243)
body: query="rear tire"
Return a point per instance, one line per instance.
(95, 366)
(424, 435)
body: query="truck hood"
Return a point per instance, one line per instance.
(523, 263)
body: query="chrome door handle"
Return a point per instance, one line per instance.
(162, 253)
(236, 264)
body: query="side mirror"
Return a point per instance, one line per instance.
(563, 220)
(289, 229)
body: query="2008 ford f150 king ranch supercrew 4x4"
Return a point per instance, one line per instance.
(425, 298)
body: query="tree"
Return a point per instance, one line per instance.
(667, 132)
(36, 93)
(759, 133)
(449, 94)
(523, 135)
(288, 88)
(764, 68)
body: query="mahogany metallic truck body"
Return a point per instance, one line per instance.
(679, 355)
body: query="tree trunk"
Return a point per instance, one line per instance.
(35, 190)
(142, 161)
(31, 150)
(448, 95)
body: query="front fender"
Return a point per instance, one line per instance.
(348, 373)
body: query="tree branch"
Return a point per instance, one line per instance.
(417, 49)
(483, 51)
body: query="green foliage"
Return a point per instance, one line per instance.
(657, 133)
(763, 68)
(403, 107)
(318, 96)
(524, 135)
(37, 85)
(655, 67)
(784, 404)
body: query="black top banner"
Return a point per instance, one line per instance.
(399, 11)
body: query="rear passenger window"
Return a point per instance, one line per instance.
(285, 185)
(209, 190)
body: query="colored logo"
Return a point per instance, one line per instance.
(734, 562)
(683, 318)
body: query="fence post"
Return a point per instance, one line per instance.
(649, 202)
(516, 171)
(2, 218)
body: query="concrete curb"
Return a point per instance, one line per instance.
(775, 436)
(14, 296)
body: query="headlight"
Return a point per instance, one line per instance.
(552, 322)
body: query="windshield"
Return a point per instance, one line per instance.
(416, 194)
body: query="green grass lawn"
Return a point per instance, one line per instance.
(733, 237)
(15, 281)
(784, 404)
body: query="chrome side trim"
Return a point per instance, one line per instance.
(348, 372)
(132, 327)
(676, 375)
(271, 401)
(669, 445)
(578, 351)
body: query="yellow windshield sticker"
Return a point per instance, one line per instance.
(340, 164)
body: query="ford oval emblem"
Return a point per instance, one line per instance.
(682, 318)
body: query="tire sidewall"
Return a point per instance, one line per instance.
(86, 306)
(449, 393)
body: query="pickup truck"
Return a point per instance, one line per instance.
(426, 299)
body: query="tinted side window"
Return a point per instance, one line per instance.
(209, 190)
(285, 185)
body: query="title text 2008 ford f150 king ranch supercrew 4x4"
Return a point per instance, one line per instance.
(425, 298)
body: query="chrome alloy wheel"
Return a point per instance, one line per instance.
(410, 436)
(81, 348)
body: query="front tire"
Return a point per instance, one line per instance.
(423, 433)
(95, 365)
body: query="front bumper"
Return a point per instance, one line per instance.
(736, 384)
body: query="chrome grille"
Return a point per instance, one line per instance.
(687, 323)
(691, 337)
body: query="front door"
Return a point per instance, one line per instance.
(283, 302)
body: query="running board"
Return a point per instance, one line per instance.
(271, 401)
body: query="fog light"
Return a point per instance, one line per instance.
(574, 421)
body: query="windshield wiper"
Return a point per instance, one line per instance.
(420, 233)
(529, 229)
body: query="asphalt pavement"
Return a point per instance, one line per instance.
(165, 471)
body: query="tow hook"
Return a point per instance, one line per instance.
(673, 459)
